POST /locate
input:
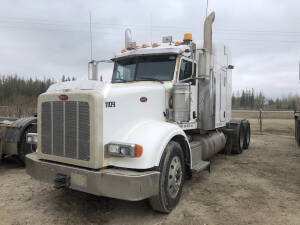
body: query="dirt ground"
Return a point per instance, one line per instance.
(261, 186)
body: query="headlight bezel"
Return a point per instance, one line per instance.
(119, 149)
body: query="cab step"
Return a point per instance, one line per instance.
(203, 165)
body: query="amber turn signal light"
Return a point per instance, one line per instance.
(138, 149)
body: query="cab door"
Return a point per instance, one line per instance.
(185, 72)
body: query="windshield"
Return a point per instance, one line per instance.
(144, 68)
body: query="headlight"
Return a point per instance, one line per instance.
(32, 138)
(124, 150)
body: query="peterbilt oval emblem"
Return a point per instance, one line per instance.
(63, 97)
(143, 99)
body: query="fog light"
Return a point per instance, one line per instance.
(32, 138)
(29, 139)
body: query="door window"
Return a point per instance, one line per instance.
(186, 71)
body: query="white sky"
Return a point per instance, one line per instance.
(51, 38)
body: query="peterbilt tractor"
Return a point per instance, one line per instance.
(163, 116)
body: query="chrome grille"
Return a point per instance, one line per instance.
(66, 129)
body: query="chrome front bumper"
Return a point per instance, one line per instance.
(115, 183)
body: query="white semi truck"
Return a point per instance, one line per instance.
(166, 112)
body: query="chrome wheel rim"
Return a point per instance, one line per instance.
(174, 177)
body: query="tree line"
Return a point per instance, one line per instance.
(18, 96)
(249, 100)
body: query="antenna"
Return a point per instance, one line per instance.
(206, 7)
(91, 36)
(93, 65)
(151, 27)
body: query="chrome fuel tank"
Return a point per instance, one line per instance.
(181, 102)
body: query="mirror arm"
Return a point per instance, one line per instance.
(191, 78)
(104, 61)
(93, 68)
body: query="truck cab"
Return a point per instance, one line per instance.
(162, 117)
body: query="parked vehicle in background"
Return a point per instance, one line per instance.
(297, 126)
(13, 133)
(166, 112)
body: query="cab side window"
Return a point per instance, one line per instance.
(186, 70)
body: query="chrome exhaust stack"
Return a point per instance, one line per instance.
(208, 32)
(205, 56)
(206, 90)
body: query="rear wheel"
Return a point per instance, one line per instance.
(172, 170)
(238, 138)
(23, 147)
(247, 135)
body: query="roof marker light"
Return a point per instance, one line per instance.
(177, 43)
(188, 37)
(154, 45)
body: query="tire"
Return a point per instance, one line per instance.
(188, 173)
(23, 147)
(238, 139)
(247, 135)
(172, 175)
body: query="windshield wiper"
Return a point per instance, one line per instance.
(150, 79)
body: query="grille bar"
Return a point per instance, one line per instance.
(46, 128)
(71, 130)
(84, 131)
(66, 129)
(58, 128)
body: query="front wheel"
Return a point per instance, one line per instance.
(172, 170)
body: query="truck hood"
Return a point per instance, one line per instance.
(127, 105)
(77, 130)
(77, 85)
(101, 86)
